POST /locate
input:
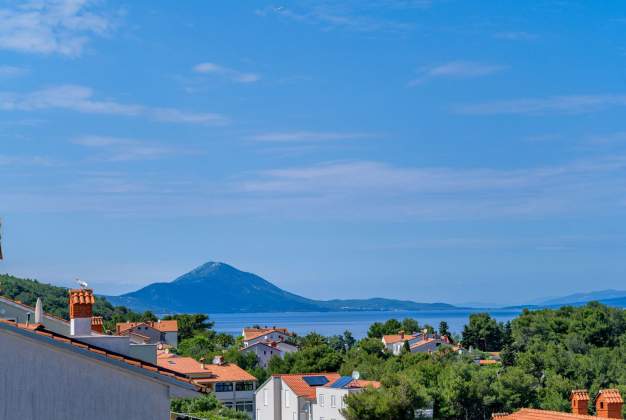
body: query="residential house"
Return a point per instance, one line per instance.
(266, 343)
(232, 385)
(253, 335)
(609, 403)
(423, 342)
(311, 396)
(159, 332)
(46, 375)
(265, 350)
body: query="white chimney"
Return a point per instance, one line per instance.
(218, 360)
(38, 312)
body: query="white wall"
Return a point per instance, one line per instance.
(263, 353)
(327, 411)
(272, 391)
(39, 380)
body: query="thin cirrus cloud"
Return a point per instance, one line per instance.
(226, 72)
(11, 71)
(306, 136)
(82, 99)
(118, 149)
(567, 104)
(345, 189)
(52, 27)
(456, 70)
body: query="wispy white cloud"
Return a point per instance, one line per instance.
(51, 27)
(11, 71)
(125, 149)
(355, 16)
(18, 160)
(306, 136)
(456, 69)
(82, 99)
(231, 74)
(375, 189)
(516, 36)
(568, 104)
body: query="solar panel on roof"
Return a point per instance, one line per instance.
(315, 380)
(341, 382)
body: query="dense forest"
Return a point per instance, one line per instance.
(544, 355)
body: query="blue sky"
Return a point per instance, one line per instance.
(432, 150)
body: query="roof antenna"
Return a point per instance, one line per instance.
(82, 284)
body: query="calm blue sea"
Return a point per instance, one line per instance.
(331, 323)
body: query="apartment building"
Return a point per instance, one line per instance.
(232, 385)
(311, 396)
(158, 332)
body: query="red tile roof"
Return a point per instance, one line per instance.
(579, 395)
(40, 331)
(487, 362)
(610, 396)
(395, 338)
(211, 373)
(252, 333)
(533, 414)
(300, 387)
(163, 326)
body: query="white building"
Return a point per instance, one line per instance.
(253, 335)
(159, 332)
(45, 375)
(423, 342)
(232, 385)
(316, 396)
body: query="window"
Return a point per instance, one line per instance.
(223, 387)
(287, 403)
(244, 386)
(321, 400)
(228, 404)
(333, 401)
(266, 397)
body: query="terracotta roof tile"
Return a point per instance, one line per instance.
(610, 396)
(252, 333)
(210, 374)
(82, 296)
(163, 326)
(579, 395)
(300, 387)
(395, 338)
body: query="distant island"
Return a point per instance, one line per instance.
(216, 287)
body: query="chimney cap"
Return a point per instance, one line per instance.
(579, 395)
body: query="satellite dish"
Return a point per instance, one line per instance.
(356, 375)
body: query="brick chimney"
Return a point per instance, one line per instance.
(580, 402)
(609, 404)
(97, 324)
(401, 335)
(81, 311)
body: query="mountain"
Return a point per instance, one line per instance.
(600, 296)
(220, 288)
